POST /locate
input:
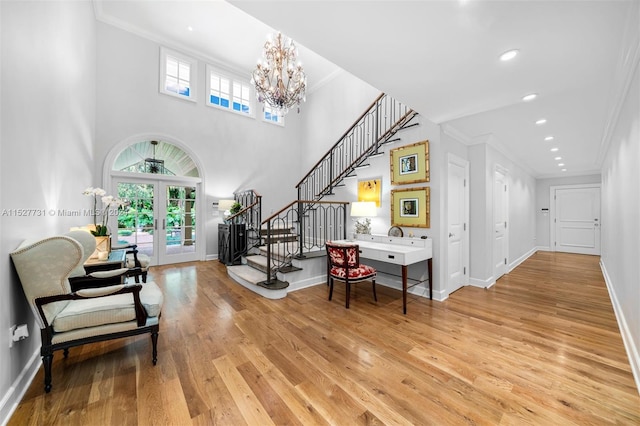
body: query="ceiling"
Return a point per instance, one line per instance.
(439, 57)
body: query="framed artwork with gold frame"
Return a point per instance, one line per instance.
(370, 190)
(410, 163)
(410, 207)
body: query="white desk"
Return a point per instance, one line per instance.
(398, 251)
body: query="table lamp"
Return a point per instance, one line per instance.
(363, 210)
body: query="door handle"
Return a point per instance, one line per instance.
(451, 235)
(164, 224)
(155, 224)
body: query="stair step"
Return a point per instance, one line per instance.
(258, 262)
(255, 281)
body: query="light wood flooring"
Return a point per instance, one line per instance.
(540, 347)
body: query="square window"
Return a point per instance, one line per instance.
(177, 75)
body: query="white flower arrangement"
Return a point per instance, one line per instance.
(109, 202)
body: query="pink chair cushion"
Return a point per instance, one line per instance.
(363, 272)
(337, 257)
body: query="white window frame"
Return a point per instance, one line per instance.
(193, 74)
(233, 80)
(267, 110)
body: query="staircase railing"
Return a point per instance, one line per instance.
(250, 215)
(312, 222)
(375, 127)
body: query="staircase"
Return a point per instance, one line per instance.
(279, 246)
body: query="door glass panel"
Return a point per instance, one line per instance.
(180, 221)
(136, 220)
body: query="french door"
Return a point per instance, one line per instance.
(160, 218)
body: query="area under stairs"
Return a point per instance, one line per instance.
(293, 275)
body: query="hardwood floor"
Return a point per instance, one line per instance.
(542, 346)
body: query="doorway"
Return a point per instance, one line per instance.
(575, 219)
(457, 220)
(161, 185)
(501, 217)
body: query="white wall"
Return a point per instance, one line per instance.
(236, 151)
(543, 188)
(620, 226)
(48, 121)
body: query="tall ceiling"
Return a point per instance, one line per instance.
(439, 57)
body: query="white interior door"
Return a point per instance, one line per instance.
(500, 215)
(457, 223)
(577, 220)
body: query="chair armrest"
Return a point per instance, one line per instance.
(93, 293)
(109, 274)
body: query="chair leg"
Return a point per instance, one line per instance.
(154, 344)
(47, 361)
(348, 292)
(330, 288)
(136, 277)
(144, 277)
(65, 352)
(373, 282)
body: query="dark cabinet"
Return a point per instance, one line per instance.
(232, 243)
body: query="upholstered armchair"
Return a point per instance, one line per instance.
(343, 264)
(68, 319)
(137, 263)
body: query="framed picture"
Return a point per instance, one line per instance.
(370, 190)
(410, 207)
(410, 164)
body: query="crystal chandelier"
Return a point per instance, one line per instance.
(278, 80)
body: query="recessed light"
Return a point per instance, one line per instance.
(560, 164)
(541, 121)
(529, 97)
(509, 55)
(554, 149)
(558, 158)
(548, 138)
(564, 170)
(189, 28)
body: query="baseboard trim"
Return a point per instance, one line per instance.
(19, 387)
(627, 338)
(475, 282)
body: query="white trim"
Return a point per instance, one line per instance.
(475, 282)
(552, 207)
(19, 387)
(633, 353)
(513, 265)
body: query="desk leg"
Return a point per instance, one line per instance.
(430, 274)
(404, 289)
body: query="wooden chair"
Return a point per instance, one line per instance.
(137, 263)
(68, 319)
(343, 264)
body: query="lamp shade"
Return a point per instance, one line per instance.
(363, 209)
(224, 205)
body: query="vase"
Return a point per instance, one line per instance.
(103, 245)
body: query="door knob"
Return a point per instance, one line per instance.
(450, 235)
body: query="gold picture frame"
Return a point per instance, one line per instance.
(410, 163)
(370, 190)
(411, 207)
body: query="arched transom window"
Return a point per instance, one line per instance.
(156, 157)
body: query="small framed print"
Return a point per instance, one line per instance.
(410, 164)
(410, 207)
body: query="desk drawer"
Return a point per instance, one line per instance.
(383, 256)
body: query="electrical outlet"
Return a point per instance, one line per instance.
(11, 331)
